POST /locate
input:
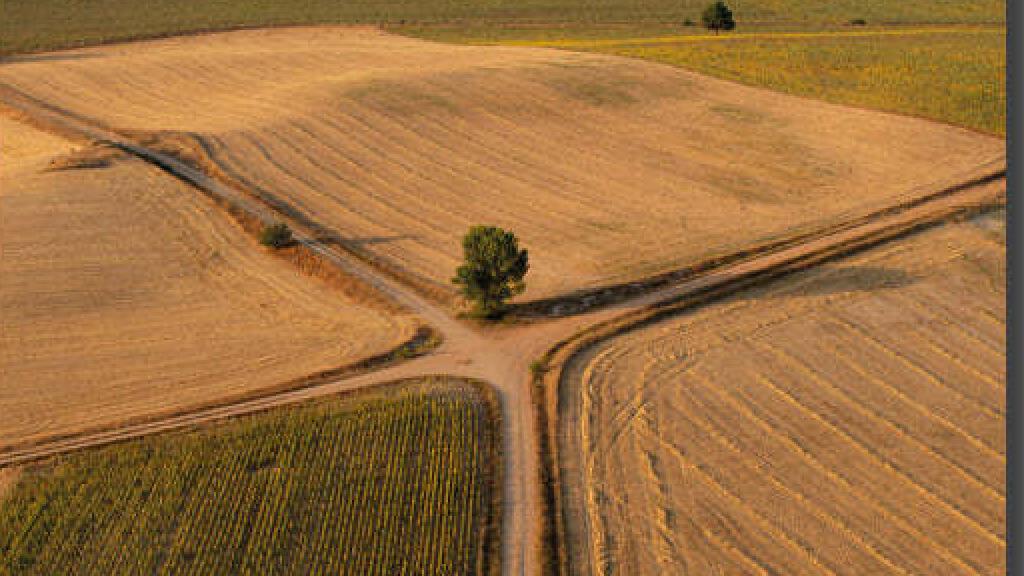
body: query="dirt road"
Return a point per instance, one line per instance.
(500, 355)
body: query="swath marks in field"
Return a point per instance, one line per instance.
(940, 433)
(828, 365)
(711, 532)
(883, 322)
(798, 518)
(758, 536)
(911, 460)
(952, 328)
(838, 422)
(938, 397)
(789, 456)
(983, 397)
(859, 465)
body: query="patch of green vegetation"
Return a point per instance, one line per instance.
(589, 91)
(492, 271)
(277, 235)
(396, 481)
(401, 98)
(956, 77)
(951, 74)
(31, 25)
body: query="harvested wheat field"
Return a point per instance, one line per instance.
(124, 293)
(608, 169)
(848, 420)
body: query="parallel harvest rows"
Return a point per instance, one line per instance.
(126, 295)
(398, 145)
(847, 422)
(397, 484)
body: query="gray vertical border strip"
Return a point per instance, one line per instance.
(1015, 411)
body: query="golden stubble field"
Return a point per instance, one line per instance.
(849, 420)
(124, 293)
(608, 169)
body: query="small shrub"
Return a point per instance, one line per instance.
(538, 368)
(276, 235)
(689, 22)
(858, 22)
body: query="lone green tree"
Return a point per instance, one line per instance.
(717, 17)
(493, 268)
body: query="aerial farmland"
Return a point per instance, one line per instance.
(504, 288)
(847, 420)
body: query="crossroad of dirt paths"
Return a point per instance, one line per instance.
(502, 354)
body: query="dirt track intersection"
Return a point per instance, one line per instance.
(591, 124)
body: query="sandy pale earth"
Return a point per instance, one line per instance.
(608, 169)
(847, 421)
(125, 293)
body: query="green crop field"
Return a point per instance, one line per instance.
(374, 483)
(952, 74)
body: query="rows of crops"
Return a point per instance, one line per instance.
(383, 484)
(955, 75)
(846, 420)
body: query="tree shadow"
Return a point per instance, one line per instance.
(849, 279)
(374, 240)
(50, 57)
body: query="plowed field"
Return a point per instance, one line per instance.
(608, 169)
(849, 420)
(125, 293)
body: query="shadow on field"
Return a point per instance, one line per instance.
(48, 57)
(849, 279)
(372, 240)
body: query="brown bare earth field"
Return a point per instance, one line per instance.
(125, 293)
(608, 169)
(848, 420)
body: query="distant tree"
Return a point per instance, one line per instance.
(493, 268)
(858, 22)
(277, 235)
(689, 22)
(717, 17)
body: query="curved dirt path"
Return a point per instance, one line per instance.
(500, 355)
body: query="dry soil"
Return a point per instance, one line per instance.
(849, 420)
(125, 293)
(608, 169)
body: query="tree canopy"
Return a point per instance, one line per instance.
(717, 17)
(493, 268)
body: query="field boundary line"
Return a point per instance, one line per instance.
(740, 36)
(582, 301)
(424, 340)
